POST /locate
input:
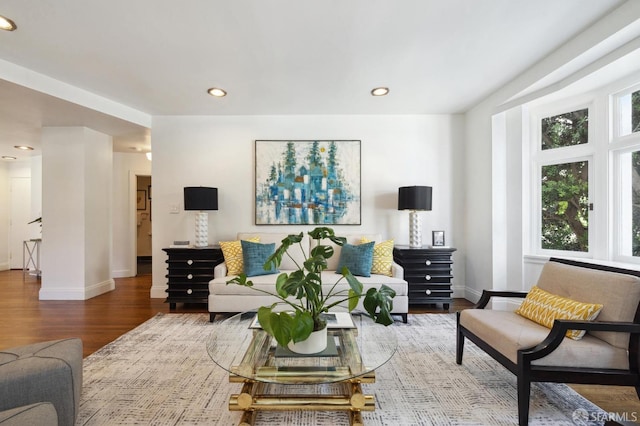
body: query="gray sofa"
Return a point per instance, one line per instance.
(225, 298)
(607, 354)
(41, 383)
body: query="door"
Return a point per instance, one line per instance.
(20, 215)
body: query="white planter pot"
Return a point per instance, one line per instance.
(316, 342)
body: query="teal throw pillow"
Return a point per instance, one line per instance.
(254, 255)
(358, 258)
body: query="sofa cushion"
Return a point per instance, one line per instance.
(382, 257)
(46, 371)
(329, 278)
(357, 258)
(544, 308)
(232, 253)
(255, 255)
(618, 293)
(40, 414)
(295, 256)
(507, 332)
(332, 263)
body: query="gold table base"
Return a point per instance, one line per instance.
(252, 399)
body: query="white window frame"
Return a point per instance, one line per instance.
(541, 158)
(620, 146)
(616, 135)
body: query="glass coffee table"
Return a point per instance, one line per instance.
(275, 379)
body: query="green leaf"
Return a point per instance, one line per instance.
(241, 280)
(379, 304)
(264, 318)
(303, 326)
(282, 326)
(355, 285)
(281, 285)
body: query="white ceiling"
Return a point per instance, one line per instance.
(272, 56)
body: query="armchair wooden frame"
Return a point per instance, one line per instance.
(526, 372)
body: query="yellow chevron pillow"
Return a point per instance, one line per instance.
(382, 257)
(232, 252)
(544, 308)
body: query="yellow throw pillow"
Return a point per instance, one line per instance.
(544, 308)
(382, 257)
(232, 252)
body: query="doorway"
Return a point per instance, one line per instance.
(20, 214)
(144, 199)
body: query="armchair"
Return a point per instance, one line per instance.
(608, 354)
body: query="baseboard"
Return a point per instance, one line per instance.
(472, 294)
(159, 292)
(4, 266)
(458, 291)
(77, 294)
(122, 273)
(100, 288)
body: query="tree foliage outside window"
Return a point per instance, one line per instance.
(568, 129)
(635, 201)
(565, 206)
(635, 112)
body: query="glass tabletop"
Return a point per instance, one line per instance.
(244, 349)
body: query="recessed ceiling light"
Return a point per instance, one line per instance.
(23, 147)
(218, 93)
(380, 91)
(7, 24)
(8, 157)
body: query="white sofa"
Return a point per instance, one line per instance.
(225, 298)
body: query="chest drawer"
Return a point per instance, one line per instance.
(189, 271)
(428, 272)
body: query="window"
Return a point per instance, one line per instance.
(629, 204)
(564, 203)
(563, 155)
(628, 115)
(569, 129)
(625, 147)
(584, 174)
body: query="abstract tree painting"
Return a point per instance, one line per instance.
(314, 182)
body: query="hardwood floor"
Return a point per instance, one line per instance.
(98, 321)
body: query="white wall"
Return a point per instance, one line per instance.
(219, 151)
(76, 211)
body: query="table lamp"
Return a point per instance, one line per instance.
(201, 198)
(414, 198)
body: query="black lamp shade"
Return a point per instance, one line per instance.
(414, 198)
(200, 198)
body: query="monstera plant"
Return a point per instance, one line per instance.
(305, 296)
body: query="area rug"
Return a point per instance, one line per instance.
(160, 374)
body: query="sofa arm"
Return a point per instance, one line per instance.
(397, 271)
(559, 330)
(488, 294)
(220, 270)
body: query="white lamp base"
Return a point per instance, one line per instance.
(415, 230)
(202, 229)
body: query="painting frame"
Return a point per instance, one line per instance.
(437, 238)
(308, 182)
(141, 201)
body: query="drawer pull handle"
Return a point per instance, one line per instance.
(428, 292)
(190, 276)
(189, 262)
(428, 277)
(428, 262)
(189, 291)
